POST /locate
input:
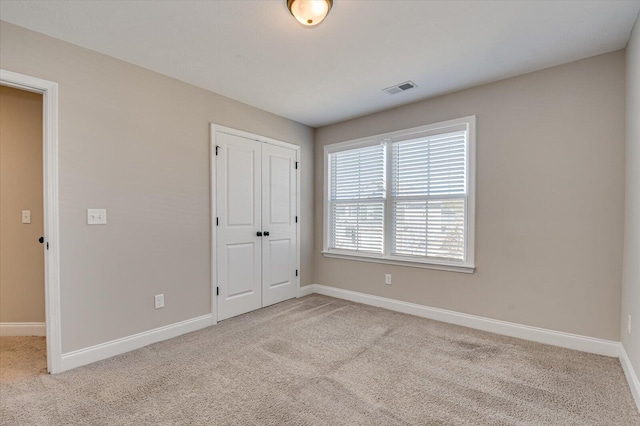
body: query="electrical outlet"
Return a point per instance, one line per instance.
(629, 325)
(387, 279)
(159, 298)
(96, 216)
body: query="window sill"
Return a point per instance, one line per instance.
(467, 269)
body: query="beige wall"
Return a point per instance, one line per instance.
(21, 255)
(549, 210)
(631, 270)
(550, 183)
(137, 143)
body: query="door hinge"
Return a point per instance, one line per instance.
(217, 146)
(296, 219)
(47, 245)
(217, 291)
(217, 221)
(296, 272)
(296, 165)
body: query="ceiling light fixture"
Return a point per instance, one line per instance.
(309, 12)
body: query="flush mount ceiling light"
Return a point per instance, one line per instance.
(309, 12)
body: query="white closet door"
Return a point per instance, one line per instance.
(279, 198)
(238, 211)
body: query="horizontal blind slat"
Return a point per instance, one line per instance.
(357, 194)
(357, 173)
(429, 166)
(432, 228)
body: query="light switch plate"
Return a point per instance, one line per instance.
(96, 216)
(26, 216)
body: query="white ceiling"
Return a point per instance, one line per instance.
(255, 52)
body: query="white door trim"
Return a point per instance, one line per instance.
(230, 130)
(49, 91)
(215, 128)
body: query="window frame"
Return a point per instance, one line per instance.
(467, 124)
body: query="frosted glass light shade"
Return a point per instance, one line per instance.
(309, 12)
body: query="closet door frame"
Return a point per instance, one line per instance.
(215, 129)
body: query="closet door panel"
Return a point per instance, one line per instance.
(239, 216)
(279, 251)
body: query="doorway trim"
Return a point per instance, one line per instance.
(215, 128)
(49, 91)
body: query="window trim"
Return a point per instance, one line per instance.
(465, 123)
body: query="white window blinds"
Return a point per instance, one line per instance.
(429, 195)
(357, 199)
(405, 196)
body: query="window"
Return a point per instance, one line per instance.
(405, 197)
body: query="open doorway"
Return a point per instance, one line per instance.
(22, 292)
(36, 264)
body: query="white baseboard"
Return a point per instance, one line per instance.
(306, 290)
(535, 334)
(119, 346)
(23, 329)
(632, 377)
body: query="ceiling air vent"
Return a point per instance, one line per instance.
(399, 87)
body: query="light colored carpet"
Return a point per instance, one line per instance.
(22, 357)
(324, 361)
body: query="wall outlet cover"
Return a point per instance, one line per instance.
(159, 301)
(96, 216)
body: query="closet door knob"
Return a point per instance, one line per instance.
(266, 233)
(259, 234)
